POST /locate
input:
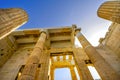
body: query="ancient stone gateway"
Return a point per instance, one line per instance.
(35, 54)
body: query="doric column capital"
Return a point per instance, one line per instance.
(77, 31)
(74, 26)
(45, 31)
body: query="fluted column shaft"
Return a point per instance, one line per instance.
(110, 10)
(73, 75)
(84, 72)
(32, 64)
(104, 69)
(52, 72)
(11, 19)
(44, 69)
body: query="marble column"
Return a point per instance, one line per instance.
(32, 64)
(64, 57)
(73, 75)
(11, 19)
(44, 68)
(110, 10)
(83, 71)
(104, 69)
(52, 73)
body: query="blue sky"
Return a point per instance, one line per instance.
(56, 13)
(62, 74)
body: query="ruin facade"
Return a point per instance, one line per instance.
(35, 54)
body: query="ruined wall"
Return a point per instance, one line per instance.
(110, 57)
(11, 68)
(112, 39)
(7, 48)
(109, 47)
